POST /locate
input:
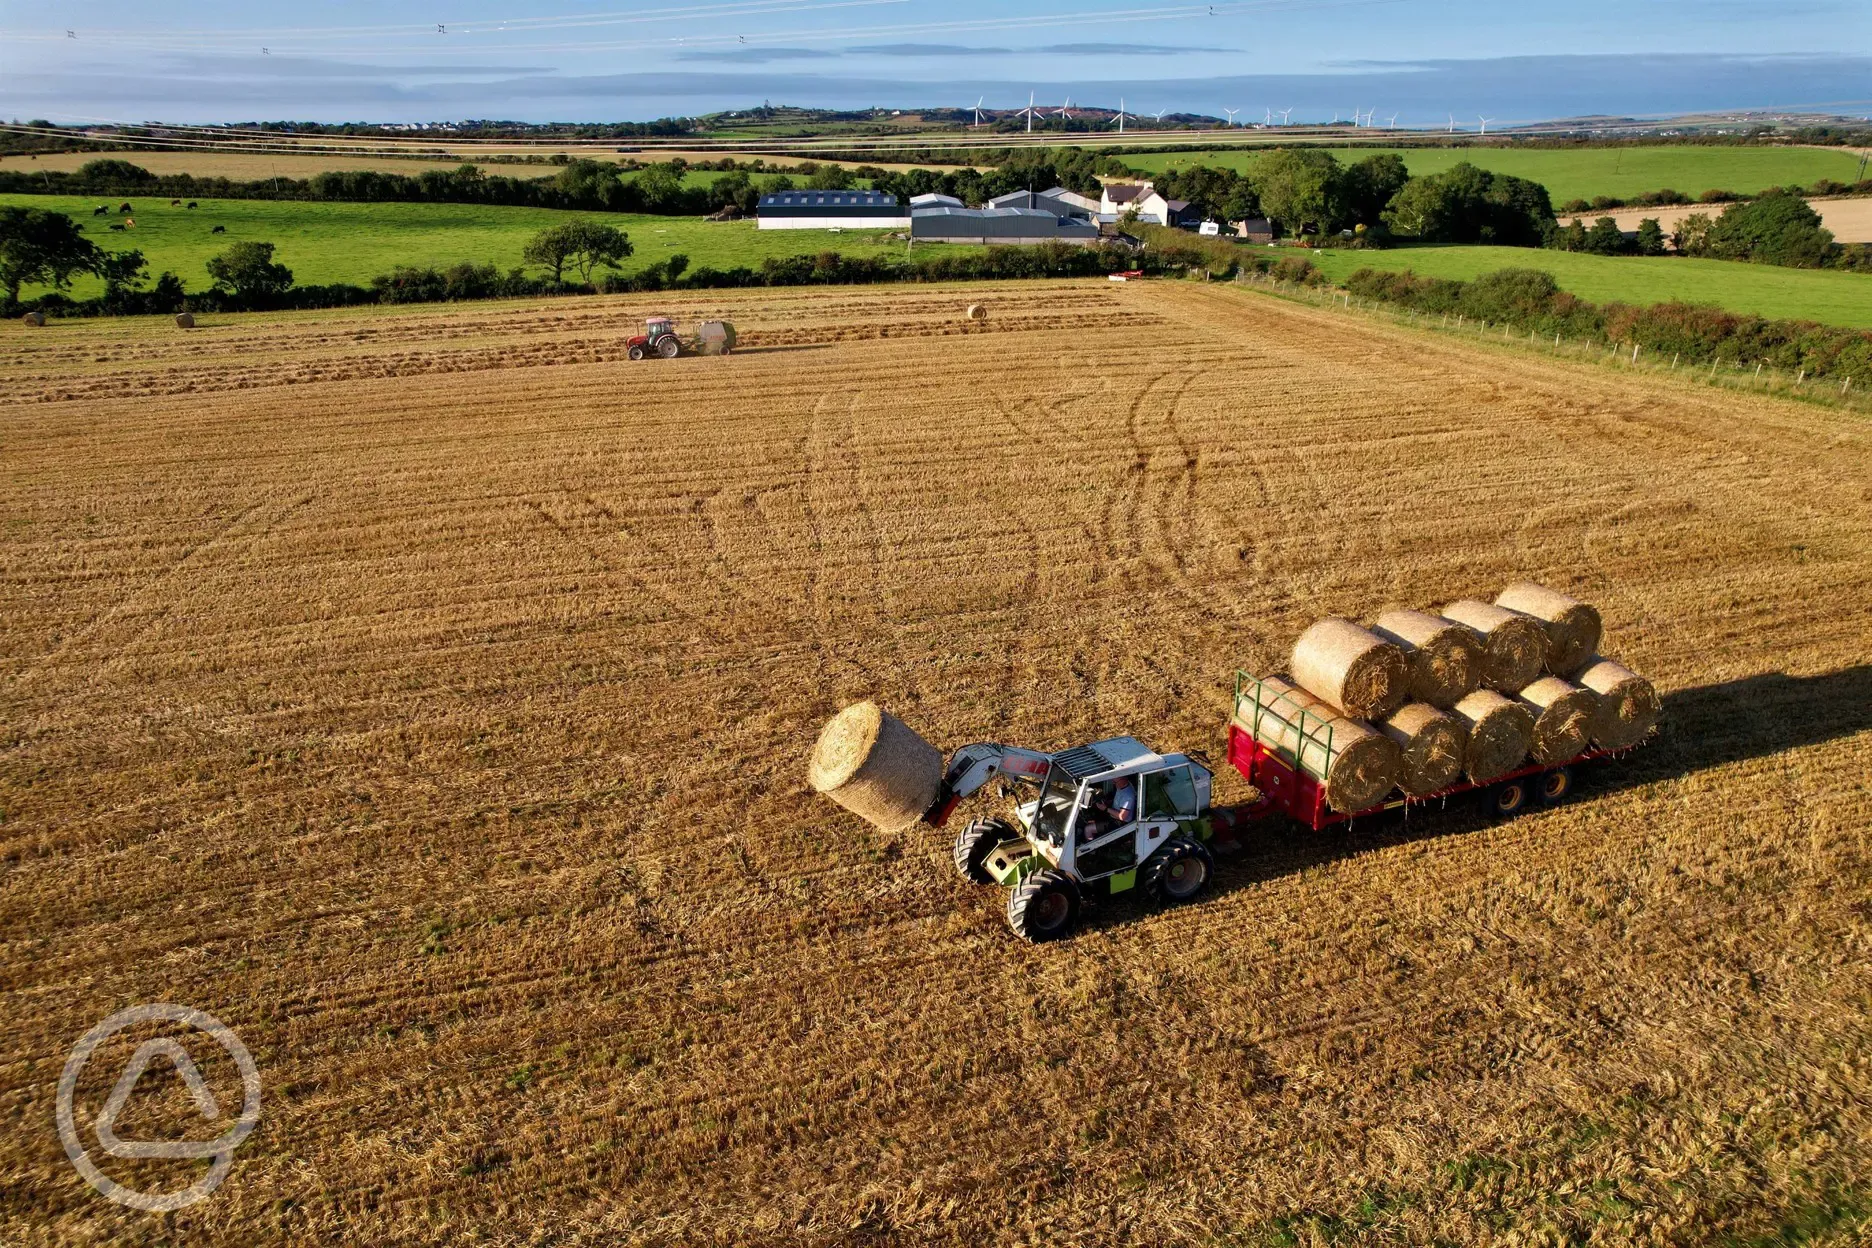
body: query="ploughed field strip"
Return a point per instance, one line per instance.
(443, 730)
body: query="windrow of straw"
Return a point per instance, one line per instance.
(1357, 765)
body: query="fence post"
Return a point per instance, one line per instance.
(1674, 357)
(1801, 378)
(1634, 353)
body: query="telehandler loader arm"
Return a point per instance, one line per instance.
(972, 766)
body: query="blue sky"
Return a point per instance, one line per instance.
(212, 60)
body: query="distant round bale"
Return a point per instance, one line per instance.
(1628, 704)
(185, 320)
(1573, 627)
(1431, 742)
(1499, 734)
(1359, 672)
(1563, 718)
(871, 763)
(1445, 657)
(1356, 765)
(977, 312)
(35, 319)
(1514, 646)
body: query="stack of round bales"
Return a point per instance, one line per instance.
(876, 766)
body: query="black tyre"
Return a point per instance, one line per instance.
(1556, 786)
(669, 348)
(1178, 872)
(1044, 906)
(974, 843)
(1508, 798)
(636, 353)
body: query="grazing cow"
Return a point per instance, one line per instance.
(219, 229)
(100, 210)
(191, 203)
(124, 207)
(130, 221)
(175, 203)
(116, 226)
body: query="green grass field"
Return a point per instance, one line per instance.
(326, 242)
(1581, 173)
(1827, 296)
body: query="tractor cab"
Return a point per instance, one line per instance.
(1108, 817)
(659, 337)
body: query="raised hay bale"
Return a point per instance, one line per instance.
(1628, 705)
(1445, 657)
(1563, 718)
(875, 766)
(1431, 743)
(1499, 734)
(1514, 646)
(1573, 627)
(1357, 671)
(34, 318)
(1356, 765)
(185, 320)
(976, 312)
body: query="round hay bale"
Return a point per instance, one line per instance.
(1431, 743)
(976, 312)
(871, 763)
(35, 319)
(1514, 646)
(1573, 627)
(1628, 705)
(1499, 734)
(1357, 765)
(1359, 672)
(1563, 718)
(185, 320)
(1445, 657)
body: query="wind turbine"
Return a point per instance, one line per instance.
(1120, 119)
(1391, 123)
(1268, 120)
(1158, 115)
(1452, 123)
(1028, 112)
(1231, 114)
(1484, 121)
(1065, 110)
(1285, 114)
(978, 104)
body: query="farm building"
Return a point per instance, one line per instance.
(1118, 198)
(999, 225)
(933, 200)
(1255, 230)
(1058, 201)
(829, 210)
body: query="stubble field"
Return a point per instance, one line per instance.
(426, 694)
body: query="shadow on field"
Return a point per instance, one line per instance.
(1701, 728)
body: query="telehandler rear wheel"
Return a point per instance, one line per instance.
(1179, 871)
(974, 843)
(1044, 906)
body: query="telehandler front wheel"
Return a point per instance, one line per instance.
(1044, 906)
(1179, 871)
(974, 843)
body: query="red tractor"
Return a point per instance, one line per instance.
(660, 338)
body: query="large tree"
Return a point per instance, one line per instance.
(579, 245)
(247, 269)
(1776, 228)
(1298, 189)
(1465, 204)
(42, 248)
(1368, 185)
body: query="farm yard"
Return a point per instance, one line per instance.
(343, 242)
(1582, 173)
(427, 693)
(1829, 296)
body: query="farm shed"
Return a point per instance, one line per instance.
(999, 225)
(827, 210)
(1052, 201)
(932, 199)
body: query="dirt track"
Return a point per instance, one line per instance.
(426, 694)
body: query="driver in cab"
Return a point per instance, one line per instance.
(1109, 807)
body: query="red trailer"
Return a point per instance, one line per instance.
(1288, 789)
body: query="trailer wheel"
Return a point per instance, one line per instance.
(974, 843)
(1044, 906)
(1179, 871)
(635, 353)
(1507, 798)
(1556, 786)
